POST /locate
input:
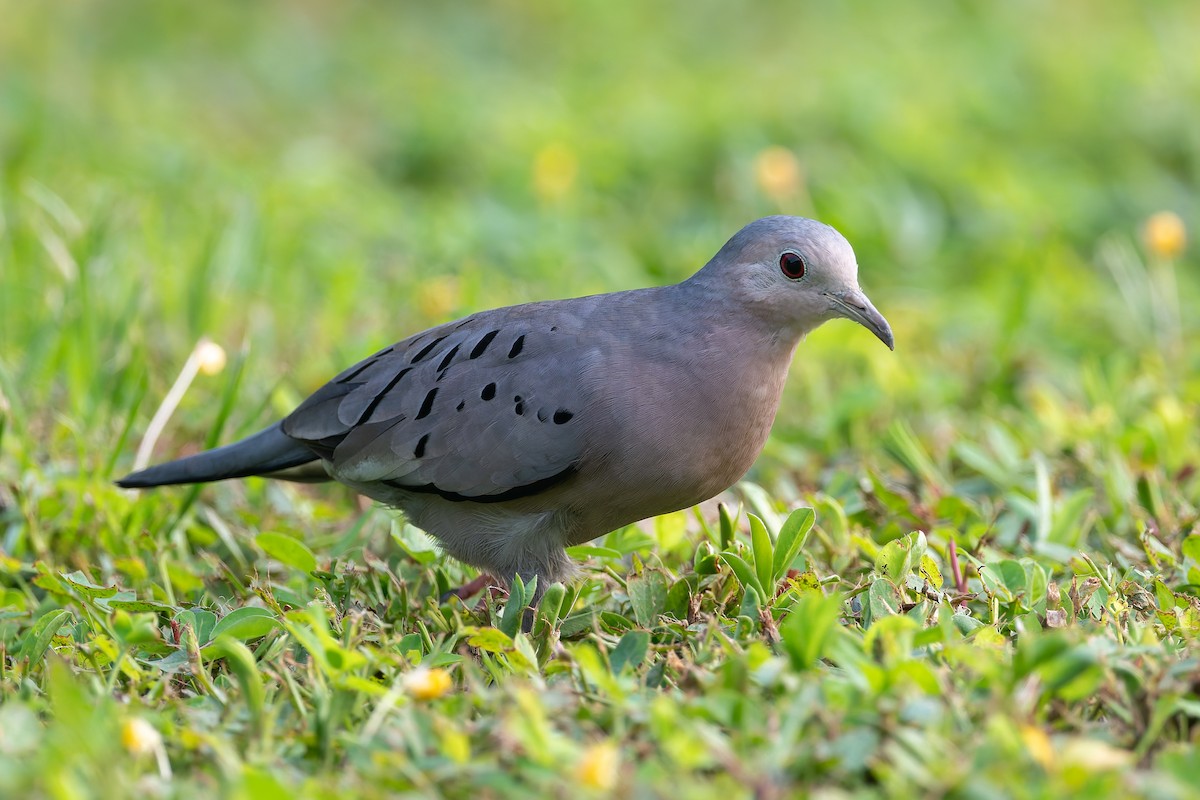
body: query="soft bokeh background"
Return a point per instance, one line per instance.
(319, 179)
(304, 182)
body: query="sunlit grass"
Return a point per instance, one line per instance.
(996, 594)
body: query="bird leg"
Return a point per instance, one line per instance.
(473, 587)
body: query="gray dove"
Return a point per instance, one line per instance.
(514, 433)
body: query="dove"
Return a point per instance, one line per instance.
(514, 433)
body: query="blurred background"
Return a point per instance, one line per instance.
(305, 182)
(301, 183)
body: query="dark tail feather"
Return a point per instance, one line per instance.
(267, 451)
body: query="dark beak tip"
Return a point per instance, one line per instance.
(856, 307)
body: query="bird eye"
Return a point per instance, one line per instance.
(792, 266)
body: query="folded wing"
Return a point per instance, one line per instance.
(485, 409)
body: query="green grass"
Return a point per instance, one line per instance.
(306, 182)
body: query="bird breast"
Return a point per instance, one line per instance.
(694, 425)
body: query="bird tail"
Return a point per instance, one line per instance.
(268, 451)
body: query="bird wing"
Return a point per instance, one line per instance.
(488, 408)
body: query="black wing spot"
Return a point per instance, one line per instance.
(520, 409)
(464, 323)
(427, 348)
(461, 405)
(488, 392)
(553, 328)
(483, 343)
(562, 416)
(420, 448)
(379, 397)
(517, 398)
(517, 346)
(448, 358)
(427, 406)
(349, 376)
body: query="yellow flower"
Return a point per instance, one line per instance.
(1094, 755)
(554, 170)
(1164, 234)
(439, 296)
(456, 745)
(140, 737)
(1038, 745)
(1171, 411)
(210, 357)
(427, 684)
(599, 767)
(777, 172)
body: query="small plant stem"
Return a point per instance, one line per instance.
(159, 421)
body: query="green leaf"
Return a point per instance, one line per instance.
(416, 543)
(1069, 668)
(648, 596)
(1068, 527)
(134, 629)
(809, 628)
(1191, 548)
(36, 642)
(704, 560)
(792, 537)
(930, 572)
(410, 643)
(1035, 585)
(763, 504)
(79, 583)
(613, 622)
(630, 651)
(670, 529)
(679, 596)
(202, 621)
(902, 444)
(1164, 596)
(491, 640)
(891, 638)
(287, 550)
(175, 661)
(745, 575)
(245, 623)
(545, 633)
(519, 596)
(141, 605)
(966, 623)
(764, 554)
(728, 525)
(242, 664)
(1012, 575)
(583, 551)
(900, 557)
(883, 600)
(750, 609)
(552, 604)
(578, 622)
(833, 520)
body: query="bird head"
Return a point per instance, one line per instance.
(794, 273)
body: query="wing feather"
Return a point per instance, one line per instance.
(486, 407)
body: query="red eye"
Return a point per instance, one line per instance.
(792, 266)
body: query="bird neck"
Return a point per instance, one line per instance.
(756, 324)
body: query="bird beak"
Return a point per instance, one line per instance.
(853, 304)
